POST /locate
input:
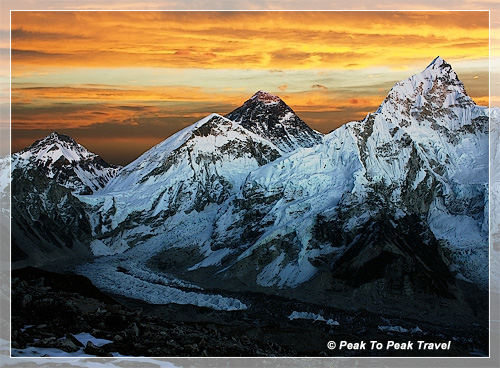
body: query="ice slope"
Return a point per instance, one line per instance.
(211, 137)
(434, 111)
(428, 146)
(134, 172)
(296, 190)
(434, 89)
(425, 152)
(145, 193)
(495, 198)
(4, 174)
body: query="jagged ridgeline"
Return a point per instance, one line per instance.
(394, 204)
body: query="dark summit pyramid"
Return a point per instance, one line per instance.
(271, 118)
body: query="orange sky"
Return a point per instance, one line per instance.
(120, 76)
(260, 40)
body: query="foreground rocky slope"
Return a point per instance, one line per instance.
(65, 315)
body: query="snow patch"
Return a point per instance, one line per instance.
(99, 248)
(393, 329)
(312, 316)
(33, 352)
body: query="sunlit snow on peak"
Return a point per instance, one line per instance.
(266, 98)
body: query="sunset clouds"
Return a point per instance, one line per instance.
(150, 73)
(239, 40)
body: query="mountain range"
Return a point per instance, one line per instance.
(394, 205)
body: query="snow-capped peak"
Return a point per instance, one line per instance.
(54, 147)
(206, 119)
(438, 61)
(439, 69)
(437, 87)
(157, 154)
(213, 138)
(72, 166)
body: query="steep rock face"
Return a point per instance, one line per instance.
(268, 116)
(48, 221)
(400, 257)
